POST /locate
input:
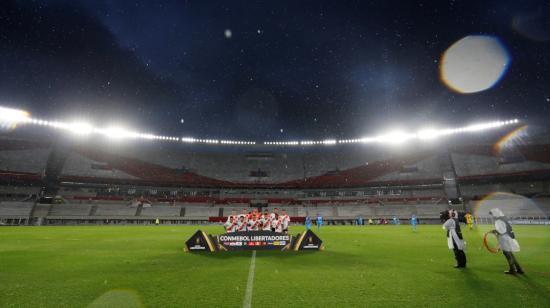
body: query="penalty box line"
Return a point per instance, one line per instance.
(247, 302)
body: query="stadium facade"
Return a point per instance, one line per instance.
(59, 180)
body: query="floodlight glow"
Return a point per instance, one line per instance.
(187, 139)
(80, 128)
(428, 134)
(396, 137)
(10, 117)
(117, 133)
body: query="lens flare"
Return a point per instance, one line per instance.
(519, 210)
(508, 139)
(474, 63)
(10, 118)
(511, 204)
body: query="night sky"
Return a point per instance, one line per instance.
(266, 70)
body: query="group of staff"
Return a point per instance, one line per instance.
(256, 221)
(503, 231)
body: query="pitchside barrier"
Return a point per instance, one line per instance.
(253, 240)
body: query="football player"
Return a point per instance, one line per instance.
(231, 223)
(242, 223)
(266, 221)
(285, 221)
(253, 223)
(274, 218)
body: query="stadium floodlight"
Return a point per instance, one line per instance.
(147, 136)
(80, 128)
(428, 134)
(396, 137)
(117, 133)
(329, 141)
(188, 139)
(10, 116)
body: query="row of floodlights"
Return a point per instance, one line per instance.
(10, 118)
(215, 141)
(310, 142)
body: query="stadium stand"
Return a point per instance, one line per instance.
(115, 210)
(15, 209)
(23, 156)
(78, 165)
(69, 210)
(99, 183)
(161, 211)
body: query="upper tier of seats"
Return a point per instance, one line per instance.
(512, 205)
(342, 167)
(15, 209)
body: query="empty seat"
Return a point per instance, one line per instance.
(161, 210)
(15, 208)
(70, 210)
(201, 211)
(115, 210)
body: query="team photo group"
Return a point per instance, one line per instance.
(256, 221)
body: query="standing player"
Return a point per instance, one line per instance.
(231, 223)
(507, 240)
(413, 222)
(244, 214)
(319, 222)
(286, 221)
(253, 223)
(254, 213)
(274, 218)
(308, 222)
(278, 224)
(266, 221)
(454, 239)
(469, 220)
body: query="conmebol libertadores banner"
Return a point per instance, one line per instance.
(253, 240)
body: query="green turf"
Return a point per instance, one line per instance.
(361, 266)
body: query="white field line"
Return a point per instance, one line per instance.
(247, 302)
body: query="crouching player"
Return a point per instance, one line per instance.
(253, 223)
(231, 223)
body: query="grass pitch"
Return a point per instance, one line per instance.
(131, 266)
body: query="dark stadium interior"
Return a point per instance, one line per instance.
(132, 130)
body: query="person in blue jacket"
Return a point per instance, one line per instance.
(308, 223)
(413, 222)
(319, 222)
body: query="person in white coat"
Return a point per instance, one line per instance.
(454, 238)
(507, 240)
